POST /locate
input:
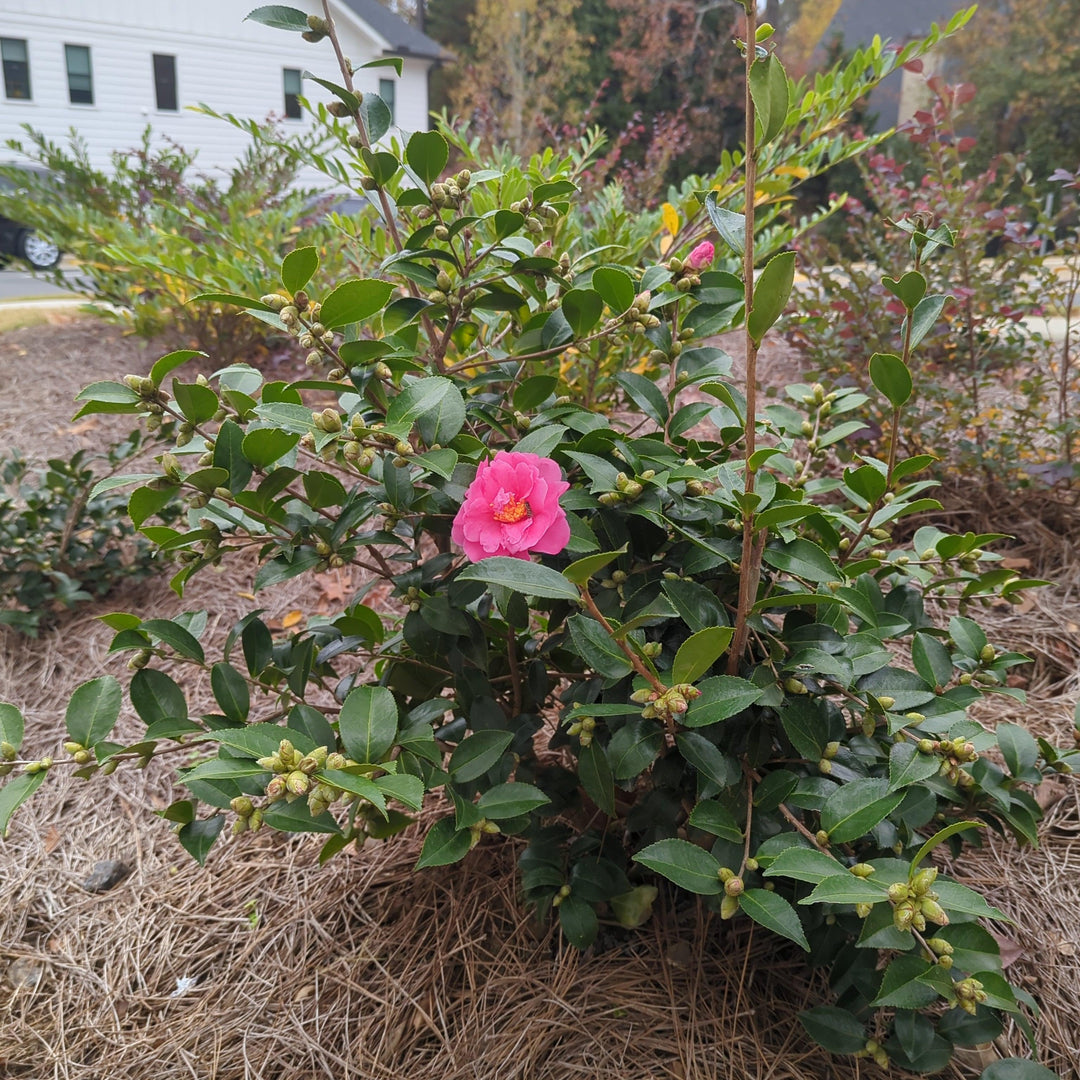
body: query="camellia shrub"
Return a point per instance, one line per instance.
(658, 646)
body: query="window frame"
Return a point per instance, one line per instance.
(391, 99)
(88, 74)
(174, 82)
(25, 62)
(291, 97)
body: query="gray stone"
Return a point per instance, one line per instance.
(106, 875)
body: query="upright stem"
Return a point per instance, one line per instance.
(750, 561)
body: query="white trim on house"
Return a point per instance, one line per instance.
(228, 63)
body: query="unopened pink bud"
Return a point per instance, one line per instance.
(701, 256)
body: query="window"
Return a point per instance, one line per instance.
(386, 92)
(292, 93)
(16, 68)
(165, 82)
(80, 79)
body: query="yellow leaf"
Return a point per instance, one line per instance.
(670, 217)
(292, 619)
(246, 595)
(665, 243)
(800, 172)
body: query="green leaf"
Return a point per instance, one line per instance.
(156, 697)
(356, 784)
(233, 299)
(711, 762)
(803, 559)
(376, 117)
(845, 888)
(580, 571)
(699, 652)
(854, 809)
(730, 226)
(477, 753)
(925, 1050)
(14, 793)
(418, 397)
(1020, 751)
(891, 376)
(722, 697)
(769, 89)
(615, 286)
(295, 817)
(941, 836)
(684, 863)
(533, 391)
(909, 289)
(835, 1029)
(803, 864)
(263, 446)
(598, 648)
(806, 724)
(427, 154)
(144, 502)
(525, 577)
(170, 633)
(908, 766)
(578, 921)
(93, 710)
(171, 361)
(11, 725)
(956, 897)
(510, 800)
(582, 309)
(443, 845)
(931, 659)
(368, 723)
(298, 267)
(230, 691)
(1017, 1069)
(408, 790)
(262, 740)
(279, 17)
(774, 913)
(771, 294)
(634, 747)
(717, 820)
(197, 837)
(198, 403)
(901, 987)
(594, 772)
(354, 300)
(926, 314)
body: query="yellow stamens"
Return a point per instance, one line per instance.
(508, 509)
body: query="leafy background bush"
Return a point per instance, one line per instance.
(152, 233)
(740, 661)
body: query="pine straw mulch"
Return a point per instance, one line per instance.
(265, 965)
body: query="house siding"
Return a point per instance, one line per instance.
(221, 60)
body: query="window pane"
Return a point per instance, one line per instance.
(16, 62)
(292, 92)
(386, 92)
(80, 81)
(165, 82)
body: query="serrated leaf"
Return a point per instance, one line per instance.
(772, 911)
(687, 865)
(510, 800)
(803, 864)
(279, 17)
(477, 753)
(14, 793)
(523, 576)
(197, 837)
(427, 154)
(615, 286)
(443, 845)
(717, 820)
(730, 226)
(771, 294)
(908, 766)
(699, 652)
(578, 921)
(901, 987)
(368, 723)
(891, 376)
(833, 1028)
(594, 772)
(298, 268)
(354, 300)
(12, 725)
(855, 808)
(230, 691)
(722, 697)
(845, 888)
(93, 710)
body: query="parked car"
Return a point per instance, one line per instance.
(20, 241)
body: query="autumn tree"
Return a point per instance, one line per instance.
(1023, 57)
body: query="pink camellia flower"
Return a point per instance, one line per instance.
(512, 508)
(701, 256)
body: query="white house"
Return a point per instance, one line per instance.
(109, 67)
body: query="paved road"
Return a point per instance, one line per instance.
(19, 284)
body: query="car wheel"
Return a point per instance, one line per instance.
(40, 253)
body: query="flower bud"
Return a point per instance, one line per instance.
(297, 783)
(243, 806)
(734, 886)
